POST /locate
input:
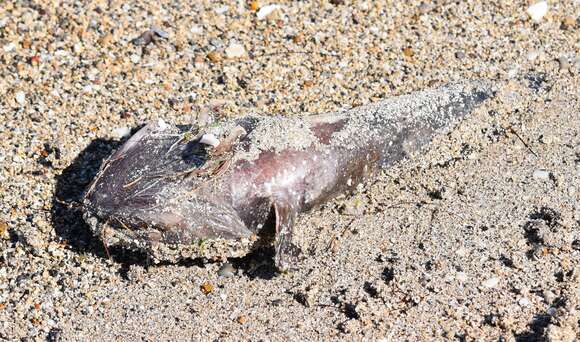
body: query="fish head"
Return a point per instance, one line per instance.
(160, 186)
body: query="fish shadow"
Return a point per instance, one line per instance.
(66, 215)
(69, 225)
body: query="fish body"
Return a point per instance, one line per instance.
(168, 192)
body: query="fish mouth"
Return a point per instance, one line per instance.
(168, 243)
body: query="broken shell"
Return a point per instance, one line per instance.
(538, 10)
(209, 139)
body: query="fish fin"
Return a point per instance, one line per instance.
(287, 253)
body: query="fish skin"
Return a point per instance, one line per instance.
(171, 197)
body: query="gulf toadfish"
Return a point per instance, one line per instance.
(222, 189)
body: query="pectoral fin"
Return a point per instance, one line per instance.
(287, 253)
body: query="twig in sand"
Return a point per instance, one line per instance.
(523, 141)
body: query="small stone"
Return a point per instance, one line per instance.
(491, 282)
(206, 288)
(254, 5)
(408, 52)
(198, 60)
(460, 55)
(105, 40)
(425, 8)
(533, 55)
(196, 29)
(568, 23)
(135, 58)
(221, 9)
(235, 50)
(563, 63)
(242, 319)
(538, 10)
(121, 132)
(26, 44)
(298, 38)
(524, 301)
(541, 174)
(265, 11)
(214, 57)
(35, 60)
(9, 47)
(549, 296)
(159, 32)
(227, 270)
(3, 230)
(20, 97)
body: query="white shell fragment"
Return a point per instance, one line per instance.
(20, 97)
(541, 174)
(266, 11)
(235, 50)
(538, 10)
(491, 282)
(209, 139)
(121, 132)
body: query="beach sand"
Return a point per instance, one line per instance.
(477, 238)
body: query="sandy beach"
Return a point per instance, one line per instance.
(478, 238)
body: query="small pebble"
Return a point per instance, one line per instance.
(491, 282)
(214, 57)
(206, 288)
(216, 43)
(524, 301)
(121, 132)
(461, 276)
(3, 229)
(425, 8)
(159, 32)
(541, 174)
(460, 55)
(135, 58)
(538, 10)
(20, 98)
(222, 9)
(227, 270)
(549, 296)
(196, 29)
(235, 50)
(266, 11)
(533, 55)
(563, 63)
(568, 23)
(408, 52)
(9, 47)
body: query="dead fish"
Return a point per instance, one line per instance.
(222, 190)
